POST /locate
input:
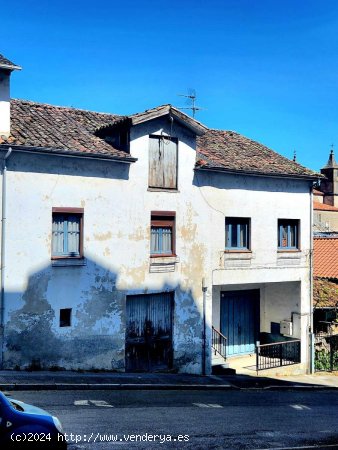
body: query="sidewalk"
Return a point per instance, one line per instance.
(68, 380)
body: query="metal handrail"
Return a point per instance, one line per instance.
(219, 342)
(279, 342)
(218, 332)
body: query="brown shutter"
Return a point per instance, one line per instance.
(162, 162)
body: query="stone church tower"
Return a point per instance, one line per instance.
(329, 186)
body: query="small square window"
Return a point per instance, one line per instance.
(65, 317)
(237, 233)
(162, 239)
(288, 234)
(67, 233)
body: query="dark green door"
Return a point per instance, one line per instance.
(149, 332)
(240, 320)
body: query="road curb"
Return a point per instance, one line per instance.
(109, 386)
(153, 387)
(313, 387)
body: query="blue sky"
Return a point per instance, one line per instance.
(266, 69)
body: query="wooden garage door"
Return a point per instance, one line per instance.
(240, 320)
(149, 332)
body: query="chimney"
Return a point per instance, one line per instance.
(6, 68)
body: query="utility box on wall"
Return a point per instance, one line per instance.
(286, 327)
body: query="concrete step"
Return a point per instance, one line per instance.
(223, 369)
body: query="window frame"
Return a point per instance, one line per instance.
(240, 221)
(164, 219)
(66, 211)
(290, 223)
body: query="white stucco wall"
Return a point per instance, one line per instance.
(4, 103)
(117, 207)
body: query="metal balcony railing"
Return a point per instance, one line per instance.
(219, 342)
(277, 354)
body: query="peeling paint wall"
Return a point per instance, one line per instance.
(117, 212)
(117, 209)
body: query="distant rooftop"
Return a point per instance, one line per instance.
(324, 207)
(325, 257)
(7, 64)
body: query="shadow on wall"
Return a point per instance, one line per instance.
(68, 166)
(75, 317)
(251, 183)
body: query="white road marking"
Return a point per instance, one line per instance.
(99, 403)
(207, 405)
(81, 403)
(300, 407)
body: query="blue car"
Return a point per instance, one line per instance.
(24, 426)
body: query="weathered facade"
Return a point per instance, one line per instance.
(111, 225)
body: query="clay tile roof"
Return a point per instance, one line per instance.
(56, 128)
(324, 207)
(325, 257)
(230, 151)
(7, 64)
(62, 129)
(325, 293)
(316, 192)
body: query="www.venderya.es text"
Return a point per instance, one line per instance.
(107, 437)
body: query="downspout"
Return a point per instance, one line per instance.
(2, 258)
(204, 290)
(311, 335)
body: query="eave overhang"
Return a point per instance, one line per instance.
(9, 66)
(258, 174)
(67, 153)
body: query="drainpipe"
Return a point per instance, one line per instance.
(204, 290)
(2, 258)
(311, 334)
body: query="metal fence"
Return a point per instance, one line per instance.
(326, 352)
(277, 354)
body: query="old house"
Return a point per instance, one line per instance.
(129, 242)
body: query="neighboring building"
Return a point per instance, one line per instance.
(325, 199)
(122, 235)
(325, 217)
(325, 294)
(329, 185)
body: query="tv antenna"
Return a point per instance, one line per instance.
(191, 99)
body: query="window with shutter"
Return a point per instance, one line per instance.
(67, 229)
(162, 162)
(288, 234)
(162, 238)
(237, 233)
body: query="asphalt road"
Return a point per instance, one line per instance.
(251, 419)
